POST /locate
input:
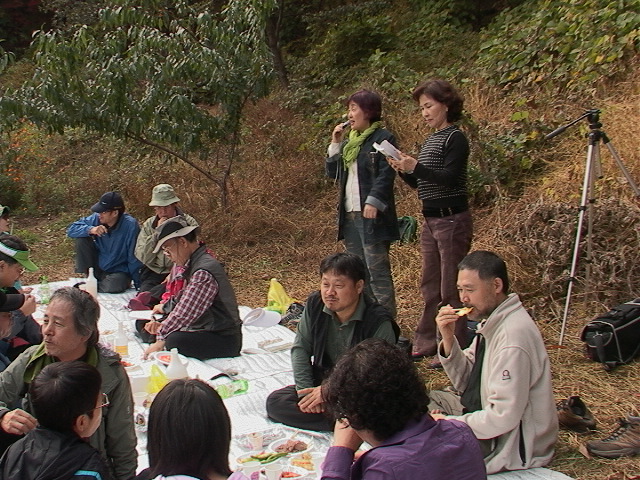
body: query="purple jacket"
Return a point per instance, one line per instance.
(439, 450)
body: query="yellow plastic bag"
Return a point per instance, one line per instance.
(157, 380)
(277, 298)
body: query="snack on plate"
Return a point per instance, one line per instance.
(289, 474)
(262, 457)
(305, 461)
(463, 311)
(291, 446)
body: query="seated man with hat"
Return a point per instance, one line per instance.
(105, 240)
(156, 265)
(202, 319)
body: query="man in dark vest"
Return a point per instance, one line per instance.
(337, 317)
(202, 319)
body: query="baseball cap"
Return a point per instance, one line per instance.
(21, 256)
(163, 195)
(172, 228)
(109, 201)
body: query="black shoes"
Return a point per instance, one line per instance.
(574, 415)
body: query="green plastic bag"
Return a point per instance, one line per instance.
(408, 227)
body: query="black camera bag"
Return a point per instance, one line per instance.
(613, 338)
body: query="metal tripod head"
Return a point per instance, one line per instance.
(592, 115)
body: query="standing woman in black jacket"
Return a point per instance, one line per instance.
(367, 219)
(440, 175)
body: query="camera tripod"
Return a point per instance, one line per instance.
(592, 169)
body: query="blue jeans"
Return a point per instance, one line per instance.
(87, 256)
(379, 281)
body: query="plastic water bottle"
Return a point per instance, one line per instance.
(176, 369)
(121, 342)
(44, 290)
(91, 285)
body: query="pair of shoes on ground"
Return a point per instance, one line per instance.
(574, 415)
(624, 441)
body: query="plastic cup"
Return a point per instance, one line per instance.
(256, 440)
(248, 468)
(273, 470)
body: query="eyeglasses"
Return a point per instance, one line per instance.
(167, 246)
(104, 402)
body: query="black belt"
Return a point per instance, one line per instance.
(443, 212)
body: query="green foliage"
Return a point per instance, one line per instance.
(509, 157)
(171, 74)
(342, 39)
(437, 38)
(565, 45)
(6, 58)
(69, 15)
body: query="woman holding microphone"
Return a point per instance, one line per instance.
(367, 218)
(440, 176)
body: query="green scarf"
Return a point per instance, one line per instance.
(40, 359)
(356, 139)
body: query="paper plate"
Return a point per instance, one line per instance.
(243, 311)
(165, 358)
(274, 445)
(309, 461)
(260, 317)
(247, 457)
(294, 472)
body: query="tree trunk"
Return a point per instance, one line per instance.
(272, 30)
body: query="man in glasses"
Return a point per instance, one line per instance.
(106, 240)
(68, 402)
(202, 319)
(70, 330)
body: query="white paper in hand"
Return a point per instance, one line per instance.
(387, 149)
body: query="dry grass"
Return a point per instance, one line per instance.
(282, 222)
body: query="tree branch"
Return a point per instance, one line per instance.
(185, 159)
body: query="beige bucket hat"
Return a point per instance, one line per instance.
(163, 195)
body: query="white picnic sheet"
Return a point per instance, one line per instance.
(266, 369)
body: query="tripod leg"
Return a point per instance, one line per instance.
(618, 160)
(595, 173)
(576, 249)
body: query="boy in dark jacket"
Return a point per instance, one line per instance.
(67, 401)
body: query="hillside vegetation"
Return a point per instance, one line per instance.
(524, 68)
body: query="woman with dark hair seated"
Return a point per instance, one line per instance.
(376, 396)
(189, 434)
